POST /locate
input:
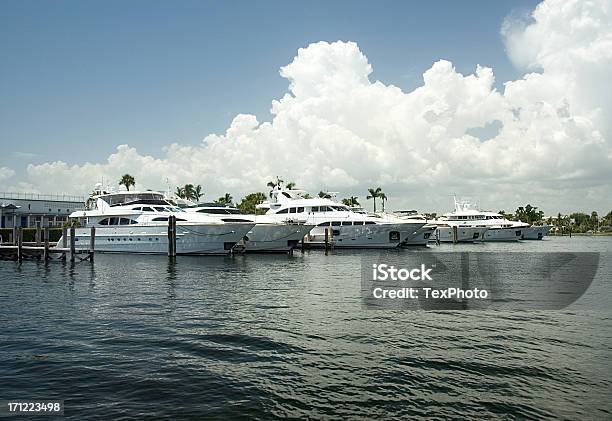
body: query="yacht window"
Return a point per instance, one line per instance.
(300, 209)
(286, 210)
(104, 221)
(139, 208)
(212, 211)
(314, 209)
(347, 223)
(358, 223)
(336, 223)
(369, 222)
(160, 209)
(160, 218)
(113, 221)
(147, 209)
(292, 210)
(124, 221)
(324, 224)
(235, 220)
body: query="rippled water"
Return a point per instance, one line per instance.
(276, 336)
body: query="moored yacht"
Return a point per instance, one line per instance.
(535, 232)
(268, 234)
(498, 228)
(137, 222)
(422, 235)
(348, 229)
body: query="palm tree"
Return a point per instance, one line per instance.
(180, 192)
(225, 200)
(188, 192)
(351, 201)
(197, 193)
(374, 193)
(273, 184)
(127, 181)
(324, 195)
(383, 197)
(290, 185)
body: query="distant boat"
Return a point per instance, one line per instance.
(498, 228)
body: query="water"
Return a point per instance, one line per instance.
(276, 336)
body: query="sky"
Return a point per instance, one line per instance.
(503, 102)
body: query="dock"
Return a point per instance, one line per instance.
(41, 249)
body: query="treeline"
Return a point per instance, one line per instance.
(577, 222)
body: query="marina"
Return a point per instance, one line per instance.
(306, 210)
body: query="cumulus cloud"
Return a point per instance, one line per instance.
(6, 173)
(336, 129)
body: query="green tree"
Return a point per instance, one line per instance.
(581, 221)
(127, 181)
(180, 192)
(373, 194)
(595, 221)
(383, 198)
(350, 201)
(290, 185)
(197, 193)
(250, 201)
(225, 200)
(528, 214)
(324, 195)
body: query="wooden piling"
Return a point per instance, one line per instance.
(172, 236)
(302, 247)
(14, 230)
(19, 244)
(455, 234)
(72, 244)
(46, 251)
(92, 243)
(37, 238)
(326, 240)
(64, 237)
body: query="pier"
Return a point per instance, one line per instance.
(44, 250)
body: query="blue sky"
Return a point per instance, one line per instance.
(79, 78)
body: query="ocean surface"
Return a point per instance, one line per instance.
(275, 336)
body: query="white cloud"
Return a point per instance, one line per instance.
(6, 173)
(336, 130)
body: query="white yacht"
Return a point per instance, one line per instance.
(347, 229)
(443, 232)
(268, 235)
(498, 228)
(137, 222)
(535, 232)
(421, 236)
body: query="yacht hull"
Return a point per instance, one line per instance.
(447, 234)
(199, 239)
(421, 236)
(503, 234)
(535, 232)
(274, 238)
(374, 236)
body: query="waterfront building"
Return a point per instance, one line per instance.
(27, 209)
